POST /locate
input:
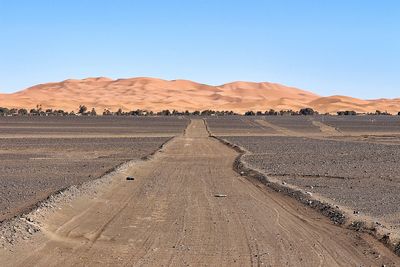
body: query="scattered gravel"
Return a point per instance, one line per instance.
(363, 176)
(237, 125)
(298, 124)
(101, 125)
(363, 124)
(35, 166)
(24, 226)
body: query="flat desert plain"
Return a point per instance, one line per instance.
(188, 203)
(42, 155)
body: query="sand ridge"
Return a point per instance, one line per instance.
(157, 94)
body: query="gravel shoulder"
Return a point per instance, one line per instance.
(356, 173)
(42, 155)
(170, 215)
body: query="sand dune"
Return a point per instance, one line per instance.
(157, 94)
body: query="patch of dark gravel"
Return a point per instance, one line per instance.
(33, 168)
(101, 125)
(363, 124)
(362, 176)
(42, 155)
(299, 124)
(231, 125)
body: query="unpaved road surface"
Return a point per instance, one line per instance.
(169, 216)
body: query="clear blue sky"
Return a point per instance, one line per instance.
(348, 47)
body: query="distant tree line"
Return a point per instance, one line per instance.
(347, 113)
(381, 113)
(83, 111)
(38, 111)
(288, 112)
(167, 112)
(353, 113)
(310, 111)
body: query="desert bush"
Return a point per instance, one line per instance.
(307, 111)
(22, 111)
(165, 112)
(271, 112)
(4, 111)
(93, 112)
(287, 112)
(82, 109)
(347, 113)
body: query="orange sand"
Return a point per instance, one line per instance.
(156, 94)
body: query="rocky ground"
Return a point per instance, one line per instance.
(35, 166)
(352, 161)
(237, 125)
(186, 207)
(369, 124)
(366, 126)
(100, 126)
(362, 176)
(298, 124)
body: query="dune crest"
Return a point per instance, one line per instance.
(157, 94)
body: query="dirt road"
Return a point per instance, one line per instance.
(169, 216)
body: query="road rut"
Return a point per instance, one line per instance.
(169, 216)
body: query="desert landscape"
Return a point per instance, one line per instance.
(205, 190)
(350, 162)
(40, 156)
(156, 94)
(200, 133)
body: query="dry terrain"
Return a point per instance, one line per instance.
(351, 162)
(380, 126)
(100, 126)
(39, 156)
(157, 94)
(195, 213)
(364, 177)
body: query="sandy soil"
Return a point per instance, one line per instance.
(350, 162)
(33, 168)
(42, 155)
(358, 175)
(156, 94)
(96, 127)
(238, 125)
(169, 215)
(326, 129)
(363, 125)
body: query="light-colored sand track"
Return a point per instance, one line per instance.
(278, 129)
(326, 129)
(169, 216)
